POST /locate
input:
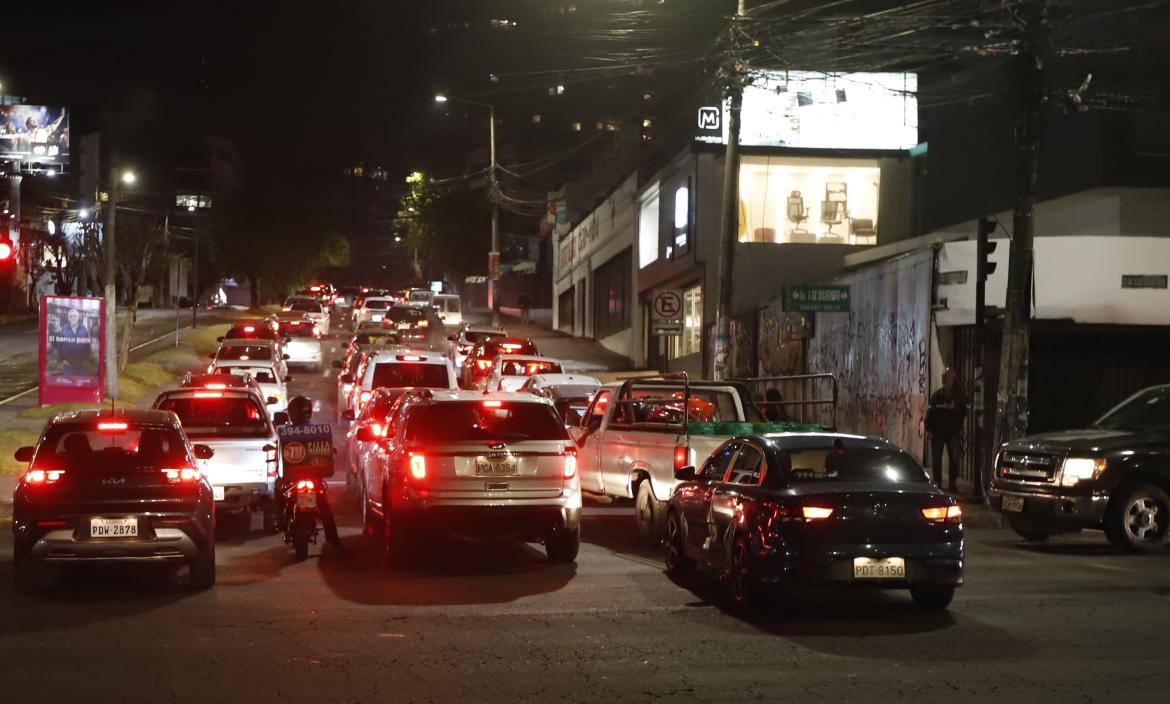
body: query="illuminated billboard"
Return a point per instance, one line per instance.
(817, 110)
(34, 134)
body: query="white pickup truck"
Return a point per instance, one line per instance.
(634, 435)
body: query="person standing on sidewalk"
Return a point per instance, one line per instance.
(525, 304)
(944, 422)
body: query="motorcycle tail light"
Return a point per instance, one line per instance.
(306, 485)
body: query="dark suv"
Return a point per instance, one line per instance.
(1114, 475)
(106, 486)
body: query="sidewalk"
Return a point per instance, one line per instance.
(577, 354)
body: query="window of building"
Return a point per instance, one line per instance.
(648, 230)
(193, 201)
(612, 296)
(576, 126)
(536, 119)
(808, 200)
(691, 340)
(682, 216)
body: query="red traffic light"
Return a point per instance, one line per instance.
(5, 250)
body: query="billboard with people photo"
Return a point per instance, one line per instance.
(71, 350)
(34, 134)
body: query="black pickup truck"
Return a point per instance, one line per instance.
(1114, 475)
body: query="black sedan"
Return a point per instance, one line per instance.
(111, 487)
(811, 509)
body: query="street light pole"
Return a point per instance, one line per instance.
(493, 286)
(111, 290)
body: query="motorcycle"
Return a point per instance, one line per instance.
(301, 514)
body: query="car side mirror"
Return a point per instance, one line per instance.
(288, 379)
(269, 448)
(211, 356)
(280, 418)
(285, 357)
(272, 401)
(348, 414)
(219, 339)
(366, 434)
(346, 378)
(24, 454)
(203, 452)
(338, 364)
(685, 474)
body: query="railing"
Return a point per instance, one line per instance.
(814, 396)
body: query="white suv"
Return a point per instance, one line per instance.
(399, 368)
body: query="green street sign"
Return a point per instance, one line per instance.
(1144, 280)
(816, 298)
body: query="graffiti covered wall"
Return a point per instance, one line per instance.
(880, 350)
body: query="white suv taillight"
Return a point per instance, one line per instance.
(570, 470)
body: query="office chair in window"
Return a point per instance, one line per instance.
(797, 214)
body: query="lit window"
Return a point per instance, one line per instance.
(536, 119)
(690, 342)
(576, 126)
(648, 230)
(611, 126)
(647, 122)
(600, 126)
(682, 211)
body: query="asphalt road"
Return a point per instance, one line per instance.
(1070, 621)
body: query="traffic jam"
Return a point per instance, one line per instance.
(448, 429)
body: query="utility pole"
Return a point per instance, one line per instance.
(1012, 394)
(111, 289)
(494, 255)
(195, 284)
(730, 231)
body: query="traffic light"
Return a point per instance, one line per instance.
(983, 249)
(5, 250)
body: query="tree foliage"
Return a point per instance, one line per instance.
(448, 225)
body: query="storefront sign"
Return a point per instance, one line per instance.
(494, 266)
(1144, 280)
(816, 299)
(666, 313)
(72, 352)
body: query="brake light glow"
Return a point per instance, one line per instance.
(306, 485)
(510, 346)
(410, 358)
(249, 328)
(941, 514)
(183, 474)
(680, 457)
(418, 466)
(815, 513)
(314, 288)
(424, 323)
(42, 476)
(493, 404)
(483, 364)
(112, 427)
(215, 386)
(378, 429)
(570, 463)
(364, 396)
(51, 524)
(208, 394)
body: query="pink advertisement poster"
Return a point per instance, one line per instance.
(72, 352)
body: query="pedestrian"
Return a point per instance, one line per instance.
(773, 406)
(525, 304)
(944, 422)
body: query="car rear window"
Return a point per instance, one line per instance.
(218, 415)
(376, 305)
(262, 375)
(245, 352)
(306, 306)
(244, 331)
(529, 368)
(472, 421)
(843, 463)
(478, 337)
(404, 314)
(491, 347)
(298, 329)
(78, 447)
(376, 338)
(399, 374)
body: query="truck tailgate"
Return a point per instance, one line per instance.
(236, 461)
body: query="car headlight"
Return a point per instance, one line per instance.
(1078, 469)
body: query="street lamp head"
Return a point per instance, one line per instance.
(83, 213)
(440, 97)
(129, 177)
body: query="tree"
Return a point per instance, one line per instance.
(141, 240)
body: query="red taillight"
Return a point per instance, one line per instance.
(493, 404)
(410, 358)
(249, 328)
(510, 347)
(680, 457)
(424, 323)
(364, 396)
(112, 427)
(5, 250)
(815, 513)
(208, 394)
(51, 524)
(570, 463)
(306, 485)
(943, 514)
(418, 466)
(42, 476)
(215, 386)
(483, 364)
(183, 474)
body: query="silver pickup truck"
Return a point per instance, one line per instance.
(635, 434)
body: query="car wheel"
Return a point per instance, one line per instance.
(1027, 532)
(650, 514)
(1139, 519)
(678, 563)
(746, 590)
(269, 513)
(563, 545)
(935, 597)
(203, 569)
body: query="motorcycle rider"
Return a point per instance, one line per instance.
(300, 412)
